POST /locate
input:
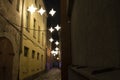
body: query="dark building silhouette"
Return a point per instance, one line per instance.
(90, 39)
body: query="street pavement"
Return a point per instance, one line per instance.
(53, 74)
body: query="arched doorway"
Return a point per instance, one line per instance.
(6, 59)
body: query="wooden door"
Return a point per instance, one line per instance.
(6, 59)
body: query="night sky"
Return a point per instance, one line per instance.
(52, 21)
(55, 4)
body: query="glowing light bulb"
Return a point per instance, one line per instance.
(51, 40)
(52, 12)
(57, 43)
(51, 29)
(32, 9)
(57, 27)
(56, 48)
(41, 11)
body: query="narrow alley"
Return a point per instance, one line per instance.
(53, 74)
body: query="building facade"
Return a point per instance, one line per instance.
(10, 22)
(33, 55)
(22, 39)
(94, 33)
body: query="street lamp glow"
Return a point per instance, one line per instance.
(51, 40)
(52, 12)
(57, 43)
(31, 9)
(57, 27)
(41, 11)
(51, 29)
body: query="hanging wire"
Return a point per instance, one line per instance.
(14, 24)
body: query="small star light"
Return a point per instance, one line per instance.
(52, 52)
(57, 27)
(51, 29)
(41, 11)
(56, 48)
(58, 58)
(51, 40)
(57, 43)
(56, 52)
(52, 12)
(31, 9)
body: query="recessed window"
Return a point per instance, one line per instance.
(36, 2)
(38, 56)
(26, 51)
(28, 21)
(34, 31)
(33, 54)
(42, 38)
(18, 5)
(38, 33)
(10, 1)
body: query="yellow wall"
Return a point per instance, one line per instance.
(28, 65)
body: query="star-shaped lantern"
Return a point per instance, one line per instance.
(51, 29)
(52, 12)
(56, 48)
(32, 9)
(51, 40)
(41, 11)
(57, 43)
(52, 52)
(57, 27)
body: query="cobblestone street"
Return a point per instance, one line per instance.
(53, 74)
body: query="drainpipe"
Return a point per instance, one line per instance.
(21, 38)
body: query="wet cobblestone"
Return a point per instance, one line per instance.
(53, 74)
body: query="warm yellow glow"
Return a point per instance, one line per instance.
(52, 12)
(51, 29)
(51, 40)
(54, 52)
(57, 27)
(41, 11)
(32, 9)
(58, 58)
(57, 43)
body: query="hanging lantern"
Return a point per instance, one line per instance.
(52, 12)
(41, 11)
